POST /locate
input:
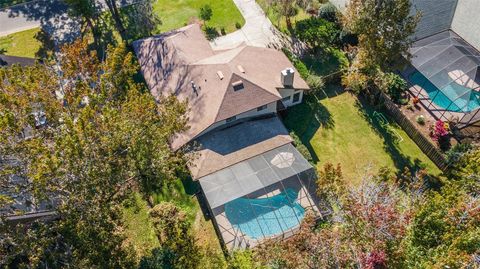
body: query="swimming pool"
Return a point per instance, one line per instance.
(453, 97)
(264, 217)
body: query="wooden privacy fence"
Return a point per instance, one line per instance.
(424, 143)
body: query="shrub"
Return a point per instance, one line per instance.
(355, 80)
(441, 134)
(347, 38)
(222, 31)
(421, 120)
(211, 32)
(328, 12)
(317, 33)
(206, 13)
(393, 84)
(301, 147)
(315, 82)
(238, 25)
(457, 151)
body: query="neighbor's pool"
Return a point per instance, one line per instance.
(448, 97)
(264, 217)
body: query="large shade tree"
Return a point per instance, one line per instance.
(384, 28)
(85, 133)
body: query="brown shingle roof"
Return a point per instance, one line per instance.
(171, 61)
(224, 148)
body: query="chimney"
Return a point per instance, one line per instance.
(287, 77)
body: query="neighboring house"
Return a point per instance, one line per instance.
(445, 64)
(243, 154)
(21, 205)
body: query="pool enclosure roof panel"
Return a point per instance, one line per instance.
(253, 174)
(450, 64)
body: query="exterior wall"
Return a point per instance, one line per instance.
(271, 108)
(437, 16)
(465, 22)
(290, 92)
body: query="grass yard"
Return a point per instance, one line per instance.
(23, 44)
(178, 13)
(331, 61)
(182, 193)
(338, 128)
(279, 21)
(138, 227)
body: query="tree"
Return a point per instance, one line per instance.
(288, 8)
(366, 230)
(101, 135)
(88, 11)
(206, 13)
(384, 29)
(330, 182)
(117, 17)
(445, 231)
(319, 34)
(176, 239)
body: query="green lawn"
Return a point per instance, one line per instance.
(183, 194)
(178, 13)
(332, 60)
(278, 20)
(138, 228)
(9, 3)
(23, 44)
(338, 128)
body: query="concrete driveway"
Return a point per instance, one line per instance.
(257, 31)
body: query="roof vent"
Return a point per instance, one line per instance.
(237, 85)
(220, 75)
(240, 68)
(287, 77)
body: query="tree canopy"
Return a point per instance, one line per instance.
(85, 134)
(384, 28)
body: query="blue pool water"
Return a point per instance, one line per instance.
(448, 97)
(265, 216)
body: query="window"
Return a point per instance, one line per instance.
(238, 85)
(286, 99)
(296, 97)
(260, 108)
(231, 119)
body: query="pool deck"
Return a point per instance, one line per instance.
(233, 238)
(462, 118)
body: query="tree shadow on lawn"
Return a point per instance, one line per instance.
(390, 139)
(306, 118)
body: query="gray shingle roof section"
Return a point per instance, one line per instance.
(437, 16)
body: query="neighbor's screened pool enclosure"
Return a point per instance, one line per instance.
(445, 76)
(263, 197)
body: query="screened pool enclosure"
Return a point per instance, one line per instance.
(445, 76)
(263, 197)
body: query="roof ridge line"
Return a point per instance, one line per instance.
(221, 103)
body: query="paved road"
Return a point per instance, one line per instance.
(51, 15)
(257, 31)
(30, 15)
